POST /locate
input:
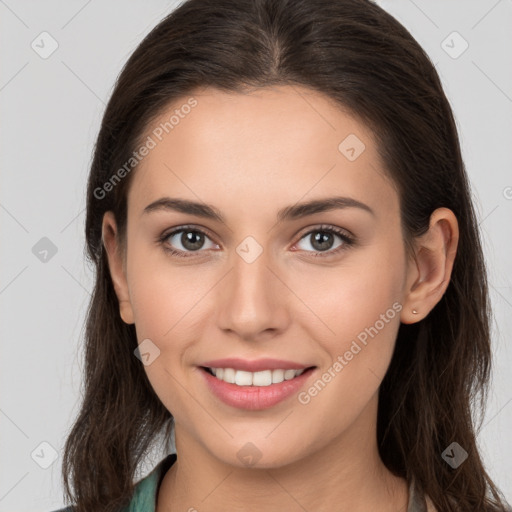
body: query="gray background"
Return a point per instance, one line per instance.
(51, 110)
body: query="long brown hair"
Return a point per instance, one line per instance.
(369, 64)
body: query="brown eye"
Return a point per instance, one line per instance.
(323, 240)
(185, 240)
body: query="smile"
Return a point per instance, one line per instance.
(254, 390)
(261, 378)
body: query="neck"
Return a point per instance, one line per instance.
(345, 475)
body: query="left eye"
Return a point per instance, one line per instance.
(322, 240)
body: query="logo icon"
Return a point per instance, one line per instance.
(147, 352)
(44, 45)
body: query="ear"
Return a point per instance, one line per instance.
(429, 274)
(110, 237)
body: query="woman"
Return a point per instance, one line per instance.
(289, 272)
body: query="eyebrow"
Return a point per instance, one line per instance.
(293, 212)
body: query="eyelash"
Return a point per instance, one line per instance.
(348, 241)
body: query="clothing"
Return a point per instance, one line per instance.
(146, 491)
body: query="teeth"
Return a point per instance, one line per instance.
(263, 378)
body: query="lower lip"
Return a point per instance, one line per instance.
(254, 397)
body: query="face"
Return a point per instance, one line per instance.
(258, 278)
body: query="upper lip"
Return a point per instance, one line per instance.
(254, 366)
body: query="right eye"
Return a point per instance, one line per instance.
(190, 239)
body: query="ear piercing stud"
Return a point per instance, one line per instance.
(414, 312)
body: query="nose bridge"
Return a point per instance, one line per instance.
(251, 278)
(252, 299)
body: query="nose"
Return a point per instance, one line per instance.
(253, 300)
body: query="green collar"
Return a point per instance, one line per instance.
(146, 490)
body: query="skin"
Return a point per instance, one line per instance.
(250, 155)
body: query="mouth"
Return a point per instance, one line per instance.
(258, 390)
(255, 379)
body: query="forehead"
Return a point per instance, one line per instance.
(272, 146)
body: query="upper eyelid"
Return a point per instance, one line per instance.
(179, 229)
(327, 227)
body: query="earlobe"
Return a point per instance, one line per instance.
(429, 274)
(126, 312)
(109, 235)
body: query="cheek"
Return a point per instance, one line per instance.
(163, 303)
(356, 319)
(169, 306)
(347, 299)
(162, 295)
